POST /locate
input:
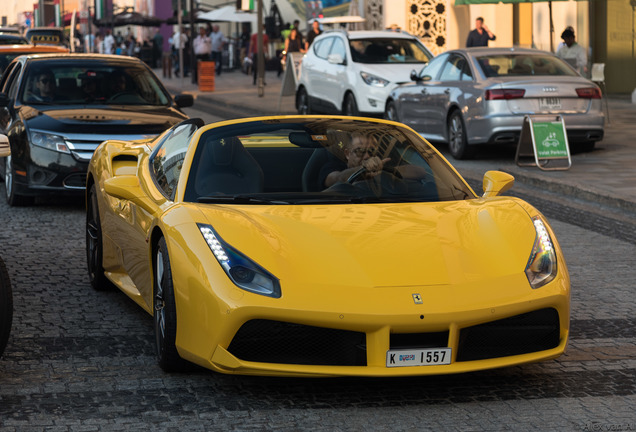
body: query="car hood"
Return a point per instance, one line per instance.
(104, 119)
(381, 245)
(398, 73)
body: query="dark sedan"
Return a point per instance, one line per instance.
(56, 110)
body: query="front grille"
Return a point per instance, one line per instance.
(75, 181)
(521, 334)
(83, 149)
(269, 341)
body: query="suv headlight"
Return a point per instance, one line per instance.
(241, 270)
(542, 265)
(49, 141)
(373, 80)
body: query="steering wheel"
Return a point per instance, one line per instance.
(123, 94)
(360, 171)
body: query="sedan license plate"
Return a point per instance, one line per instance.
(549, 104)
(418, 357)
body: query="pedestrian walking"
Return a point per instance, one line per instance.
(218, 42)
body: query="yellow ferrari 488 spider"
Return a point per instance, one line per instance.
(322, 246)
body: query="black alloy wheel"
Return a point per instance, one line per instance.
(302, 102)
(94, 244)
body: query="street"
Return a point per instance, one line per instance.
(81, 360)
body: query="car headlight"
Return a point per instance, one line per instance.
(241, 270)
(373, 80)
(49, 141)
(542, 265)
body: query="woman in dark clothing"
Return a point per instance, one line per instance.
(293, 43)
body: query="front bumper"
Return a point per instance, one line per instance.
(351, 341)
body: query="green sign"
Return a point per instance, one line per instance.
(550, 139)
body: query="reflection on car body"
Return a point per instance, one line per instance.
(56, 109)
(249, 265)
(478, 96)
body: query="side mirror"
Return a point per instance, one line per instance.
(414, 76)
(5, 149)
(496, 183)
(184, 100)
(335, 59)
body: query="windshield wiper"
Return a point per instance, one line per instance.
(238, 199)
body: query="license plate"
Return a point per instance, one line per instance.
(418, 357)
(549, 104)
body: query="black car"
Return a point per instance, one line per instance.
(12, 39)
(57, 108)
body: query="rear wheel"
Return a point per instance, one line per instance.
(165, 312)
(13, 199)
(457, 140)
(302, 102)
(350, 106)
(6, 306)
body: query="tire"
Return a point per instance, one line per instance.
(165, 311)
(6, 307)
(350, 106)
(95, 245)
(302, 102)
(390, 112)
(13, 199)
(457, 140)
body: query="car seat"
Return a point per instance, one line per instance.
(227, 168)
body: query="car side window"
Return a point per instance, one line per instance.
(431, 70)
(167, 160)
(12, 83)
(456, 69)
(323, 47)
(338, 47)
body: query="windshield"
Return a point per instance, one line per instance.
(91, 83)
(388, 50)
(318, 161)
(523, 64)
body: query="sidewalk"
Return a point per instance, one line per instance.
(606, 176)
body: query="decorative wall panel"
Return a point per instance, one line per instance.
(373, 14)
(427, 20)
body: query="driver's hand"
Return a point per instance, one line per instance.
(373, 166)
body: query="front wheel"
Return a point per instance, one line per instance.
(350, 106)
(13, 199)
(94, 244)
(390, 112)
(457, 139)
(165, 312)
(6, 307)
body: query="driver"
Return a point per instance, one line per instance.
(359, 153)
(117, 83)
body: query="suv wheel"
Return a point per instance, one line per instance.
(350, 106)
(302, 102)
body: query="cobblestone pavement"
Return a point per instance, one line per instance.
(79, 360)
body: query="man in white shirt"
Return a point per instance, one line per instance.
(180, 41)
(572, 52)
(218, 40)
(109, 43)
(202, 45)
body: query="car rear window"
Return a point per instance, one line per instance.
(388, 50)
(523, 64)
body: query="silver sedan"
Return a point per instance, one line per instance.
(477, 96)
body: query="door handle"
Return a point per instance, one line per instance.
(423, 91)
(447, 91)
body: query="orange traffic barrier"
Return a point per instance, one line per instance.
(206, 76)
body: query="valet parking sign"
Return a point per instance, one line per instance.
(544, 143)
(550, 140)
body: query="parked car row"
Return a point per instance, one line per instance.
(464, 97)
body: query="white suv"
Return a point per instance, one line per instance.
(353, 72)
